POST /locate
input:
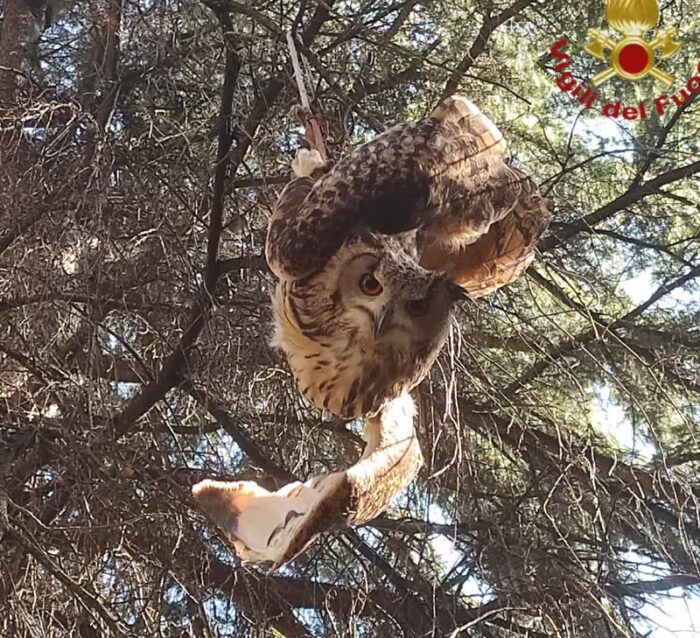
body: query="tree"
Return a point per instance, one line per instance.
(142, 144)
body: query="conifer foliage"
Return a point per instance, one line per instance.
(142, 145)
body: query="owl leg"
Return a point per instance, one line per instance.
(306, 162)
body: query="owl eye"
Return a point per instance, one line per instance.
(370, 285)
(417, 307)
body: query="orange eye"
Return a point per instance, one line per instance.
(370, 285)
(417, 307)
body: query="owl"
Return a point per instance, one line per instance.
(373, 253)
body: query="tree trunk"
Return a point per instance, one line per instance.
(20, 32)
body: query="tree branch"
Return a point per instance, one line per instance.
(489, 25)
(20, 31)
(634, 194)
(601, 327)
(653, 586)
(239, 436)
(225, 139)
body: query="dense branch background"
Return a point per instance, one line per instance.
(142, 145)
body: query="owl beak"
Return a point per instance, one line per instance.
(382, 321)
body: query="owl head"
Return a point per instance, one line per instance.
(366, 328)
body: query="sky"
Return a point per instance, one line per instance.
(675, 614)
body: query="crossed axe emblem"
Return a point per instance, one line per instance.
(632, 57)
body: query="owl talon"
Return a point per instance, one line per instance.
(306, 162)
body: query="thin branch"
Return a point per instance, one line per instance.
(489, 25)
(635, 193)
(87, 598)
(654, 152)
(633, 241)
(225, 139)
(110, 64)
(654, 586)
(248, 447)
(601, 327)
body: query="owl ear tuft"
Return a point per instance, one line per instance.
(457, 292)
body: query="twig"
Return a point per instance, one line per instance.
(634, 194)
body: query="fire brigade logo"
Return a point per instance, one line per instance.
(633, 57)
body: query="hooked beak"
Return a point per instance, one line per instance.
(382, 321)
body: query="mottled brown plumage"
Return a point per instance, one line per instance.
(371, 256)
(431, 204)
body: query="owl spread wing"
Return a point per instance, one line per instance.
(273, 527)
(484, 217)
(477, 218)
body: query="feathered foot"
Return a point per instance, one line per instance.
(273, 527)
(306, 162)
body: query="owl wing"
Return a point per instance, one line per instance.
(274, 527)
(483, 217)
(478, 219)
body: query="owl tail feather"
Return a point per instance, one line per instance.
(274, 527)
